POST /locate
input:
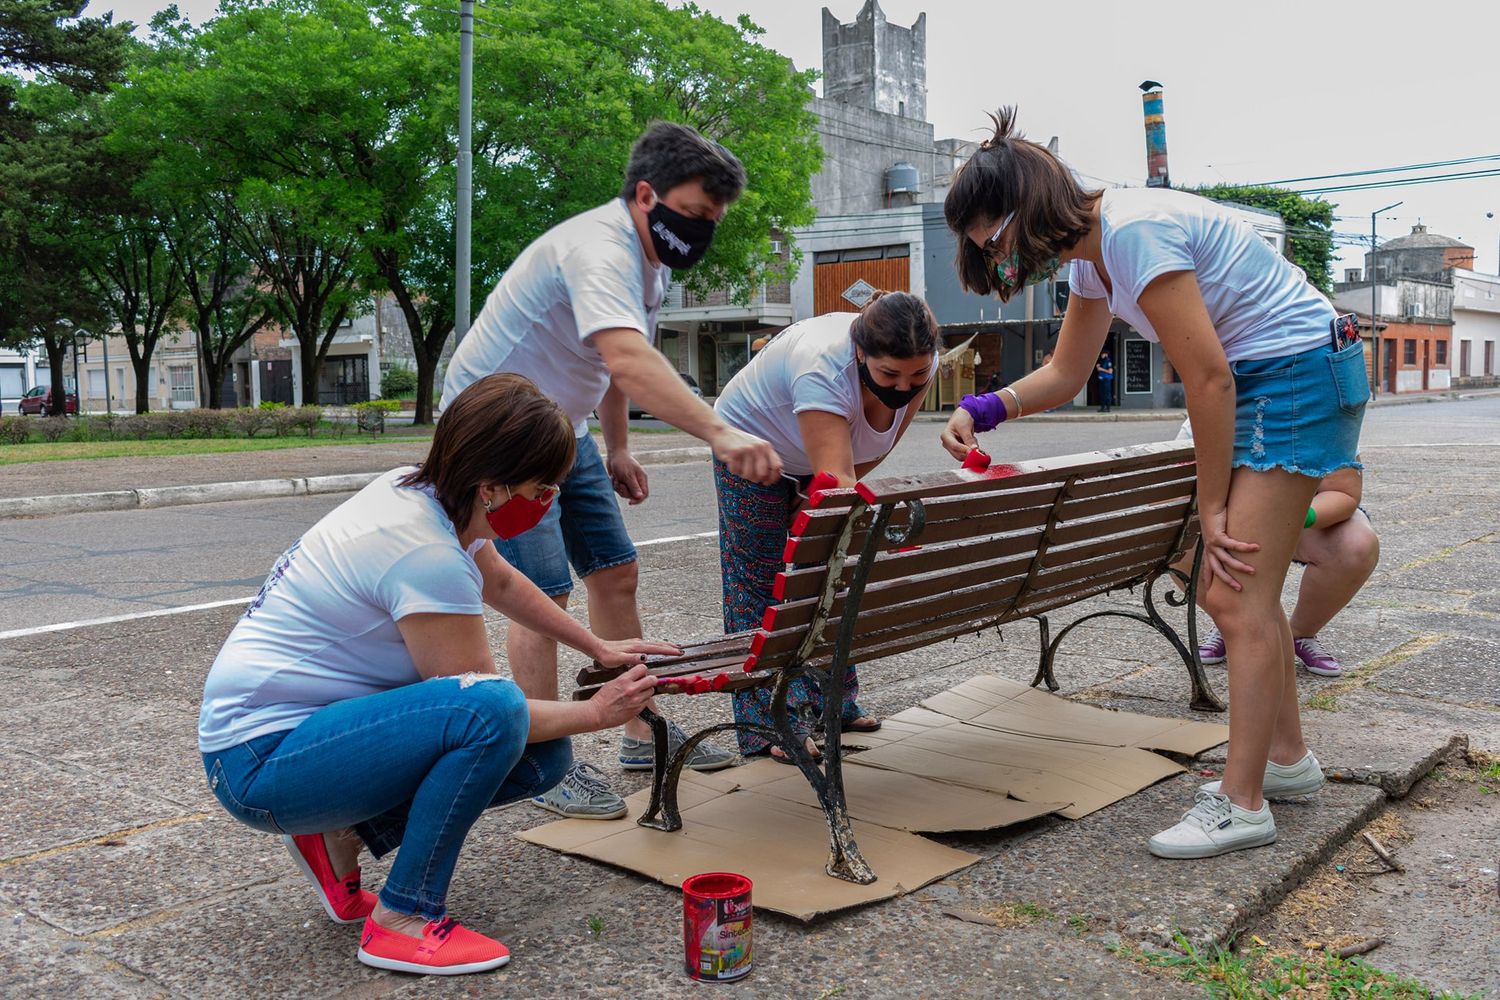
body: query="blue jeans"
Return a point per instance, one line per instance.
(584, 528)
(412, 767)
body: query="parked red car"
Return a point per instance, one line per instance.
(38, 401)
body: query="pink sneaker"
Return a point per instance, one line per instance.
(1211, 647)
(342, 898)
(446, 948)
(1317, 660)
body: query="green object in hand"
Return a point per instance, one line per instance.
(1312, 518)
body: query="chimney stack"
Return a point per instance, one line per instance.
(1156, 136)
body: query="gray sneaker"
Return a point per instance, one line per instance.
(640, 755)
(1285, 781)
(583, 793)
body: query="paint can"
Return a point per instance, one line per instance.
(716, 932)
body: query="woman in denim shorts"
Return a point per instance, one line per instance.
(1276, 391)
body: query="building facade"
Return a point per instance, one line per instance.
(1476, 329)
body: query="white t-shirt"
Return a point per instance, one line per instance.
(323, 628)
(808, 366)
(583, 275)
(1260, 303)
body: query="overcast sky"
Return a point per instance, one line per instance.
(1254, 91)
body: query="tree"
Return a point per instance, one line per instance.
(1309, 226)
(141, 282)
(52, 181)
(252, 106)
(329, 127)
(52, 169)
(226, 306)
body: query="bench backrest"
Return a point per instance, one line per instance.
(981, 549)
(990, 547)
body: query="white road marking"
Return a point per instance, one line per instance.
(21, 633)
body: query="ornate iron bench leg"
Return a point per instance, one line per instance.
(1044, 664)
(1204, 699)
(844, 859)
(660, 741)
(663, 813)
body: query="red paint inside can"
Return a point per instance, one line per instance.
(716, 926)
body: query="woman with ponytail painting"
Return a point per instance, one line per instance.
(833, 394)
(1275, 390)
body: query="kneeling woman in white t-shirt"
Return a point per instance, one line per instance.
(833, 394)
(314, 725)
(1275, 394)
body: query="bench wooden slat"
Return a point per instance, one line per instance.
(805, 550)
(873, 646)
(818, 523)
(943, 484)
(906, 585)
(979, 599)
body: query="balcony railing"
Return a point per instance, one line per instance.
(344, 394)
(679, 297)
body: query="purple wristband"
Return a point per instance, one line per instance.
(987, 410)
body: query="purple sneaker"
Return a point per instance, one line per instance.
(1317, 660)
(1211, 647)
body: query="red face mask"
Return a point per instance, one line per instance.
(519, 514)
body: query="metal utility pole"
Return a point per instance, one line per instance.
(1374, 291)
(465, 167)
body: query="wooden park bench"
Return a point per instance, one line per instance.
(898, 564)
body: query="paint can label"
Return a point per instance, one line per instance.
(717, 933)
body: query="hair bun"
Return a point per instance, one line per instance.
(875, 297)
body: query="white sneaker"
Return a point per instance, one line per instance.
(1284, 781)
(1215, 826)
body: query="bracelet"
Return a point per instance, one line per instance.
(1020, 410)
(1312, 518)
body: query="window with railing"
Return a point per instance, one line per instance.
(1409, 352)
(180, 380)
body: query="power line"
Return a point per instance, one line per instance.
(1403, 182)
(1379, 170)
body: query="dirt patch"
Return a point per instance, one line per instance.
(1437, 917)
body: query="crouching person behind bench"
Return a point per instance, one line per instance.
(314, 724)
(833, 394)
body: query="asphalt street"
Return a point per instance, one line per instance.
(87, 566)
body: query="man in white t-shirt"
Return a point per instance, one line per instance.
(576, 314)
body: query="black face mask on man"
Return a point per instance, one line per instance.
(680, 240)
(889, 396)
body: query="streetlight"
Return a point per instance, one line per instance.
(465, 167)
(1491, 215)
(1374, 291)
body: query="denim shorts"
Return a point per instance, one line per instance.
(584, 528)
(1302, 412)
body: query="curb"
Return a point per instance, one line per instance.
(151, 497)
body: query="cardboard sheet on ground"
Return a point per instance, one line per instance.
(779, 845)
(985, 754)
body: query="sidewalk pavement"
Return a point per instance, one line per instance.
(120, 875)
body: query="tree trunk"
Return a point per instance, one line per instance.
(427, 362)
(141, 367)
(312, 366)
(57, 347)
(213, 372)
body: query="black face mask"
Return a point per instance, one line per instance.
(680, 240)
(889, 396)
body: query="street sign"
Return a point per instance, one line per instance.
(859, 293)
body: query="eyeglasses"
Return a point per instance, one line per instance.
(544, 495)
(990, 248)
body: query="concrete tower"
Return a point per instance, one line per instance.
(874, 64)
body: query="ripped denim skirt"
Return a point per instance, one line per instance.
(1302, 412)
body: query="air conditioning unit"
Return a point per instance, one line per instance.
(1414, 310)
